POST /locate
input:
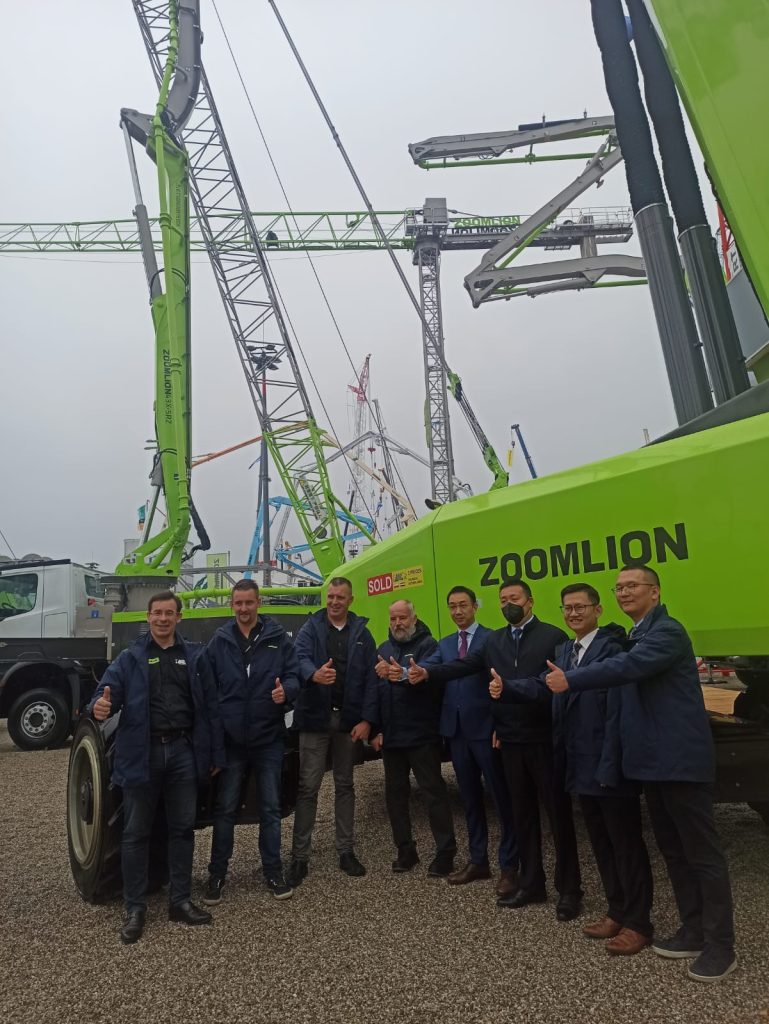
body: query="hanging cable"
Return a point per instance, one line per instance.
(309, 260)
(7, 544)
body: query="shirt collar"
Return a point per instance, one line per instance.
(470, 630)
(522, 625)
(587, 640)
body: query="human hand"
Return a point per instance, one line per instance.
(394, 671)
(496, 744)
(103, 707)
(416, 673)
(326, 674)
(556, 679)
(495, 685)
(381, 668)
(278, 693)
(361, 731)
(376, 743)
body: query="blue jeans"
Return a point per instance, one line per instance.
(172, 775)
(266, 761)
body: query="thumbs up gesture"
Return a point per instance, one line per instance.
(103, 707)
(278, 693)
(326, 674)
(556, 679)
(381, 668)
(416, 673)
(495, 685)
(394, 671)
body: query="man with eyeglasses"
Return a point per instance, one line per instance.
(586, 738)
(667, 745)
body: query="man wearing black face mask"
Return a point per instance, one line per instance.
(516, 657)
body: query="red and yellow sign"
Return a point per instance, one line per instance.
(400, 579)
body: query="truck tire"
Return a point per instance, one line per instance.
(39, 719)
(94, 817)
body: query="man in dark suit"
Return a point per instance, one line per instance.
(586, 737)
(466, 723)
(516, 657)
(667, 745)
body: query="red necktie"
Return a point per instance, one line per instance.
(463, 643)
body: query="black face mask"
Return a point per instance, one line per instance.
(513, 613)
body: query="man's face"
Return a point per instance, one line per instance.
(579, 614)
(402, 621)
(462, 610)
(636, 595)
(163, 619)
(516, 595)
(245, 608)
(338, 600)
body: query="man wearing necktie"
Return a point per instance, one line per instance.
(667, 746)
(586, 743)
(467, 724)
(516, 658)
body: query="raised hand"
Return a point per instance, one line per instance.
(495, 685)
(381, 668)
(278, 693)
(556, 679)
(394, 671)
(416, 674)
(103, 707)
(326, 674)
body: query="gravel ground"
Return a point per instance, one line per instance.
(378, 949)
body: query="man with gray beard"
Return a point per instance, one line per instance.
(408, 717)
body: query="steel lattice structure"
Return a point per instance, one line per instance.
(251, 303)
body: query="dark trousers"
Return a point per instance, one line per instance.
(425, 762)
(616, 834)
(172, 775)
(266, 762)
(531, 778)
(682, 818)
(473, 759)
(313, 754)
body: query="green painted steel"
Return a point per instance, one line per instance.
(161, 555)
(696, 508)
(717, 50)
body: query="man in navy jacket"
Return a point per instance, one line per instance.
(516, 657)
(467, 724)
(408, 715)
(169, 736)
(257, 674)
(667, 745)
(586, 737)
(336, 655)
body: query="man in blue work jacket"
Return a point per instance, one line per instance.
(667, 745)
(466, 722)
(257, 674)
(169, 736)
(586, 744)
(336, 656)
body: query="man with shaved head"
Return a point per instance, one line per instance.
(408, 734)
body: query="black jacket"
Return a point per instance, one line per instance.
(522, 714)
(407, 716)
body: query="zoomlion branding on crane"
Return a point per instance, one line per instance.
(167, 386)
(579, 557)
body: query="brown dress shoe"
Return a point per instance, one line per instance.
(508, 882)
(627, 943)
(606, 928)
(469, 873)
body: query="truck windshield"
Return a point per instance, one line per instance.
(18, 594)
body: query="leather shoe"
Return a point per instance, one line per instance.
(407, 859)
(627, 943)
(606, 928)
(133, 927)
(568, 906)
(188, 913)
(508, 882)
(469, 873)
(521, 898)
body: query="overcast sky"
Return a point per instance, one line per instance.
(582, 373)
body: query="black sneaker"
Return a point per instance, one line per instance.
(407, 859)
(213, 893)
(350, 864)
(679, 946)
(278, 886)
(297, 872)
(713, 965)
(440, 866)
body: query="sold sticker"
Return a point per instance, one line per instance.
(400, 579)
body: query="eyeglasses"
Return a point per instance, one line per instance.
(575, 609)
(629, 588)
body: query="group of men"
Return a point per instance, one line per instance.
(531, 716)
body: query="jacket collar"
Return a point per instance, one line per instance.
(357, 623)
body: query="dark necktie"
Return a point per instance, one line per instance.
(575, 652)
(517, 634)
(463, 643)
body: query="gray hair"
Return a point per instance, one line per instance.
(405, 601)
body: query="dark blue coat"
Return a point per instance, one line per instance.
(407, 715)
(249, 715)
(466, 702)
(664, 728)
(586, 725)
(313, 708)
(129, 682)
